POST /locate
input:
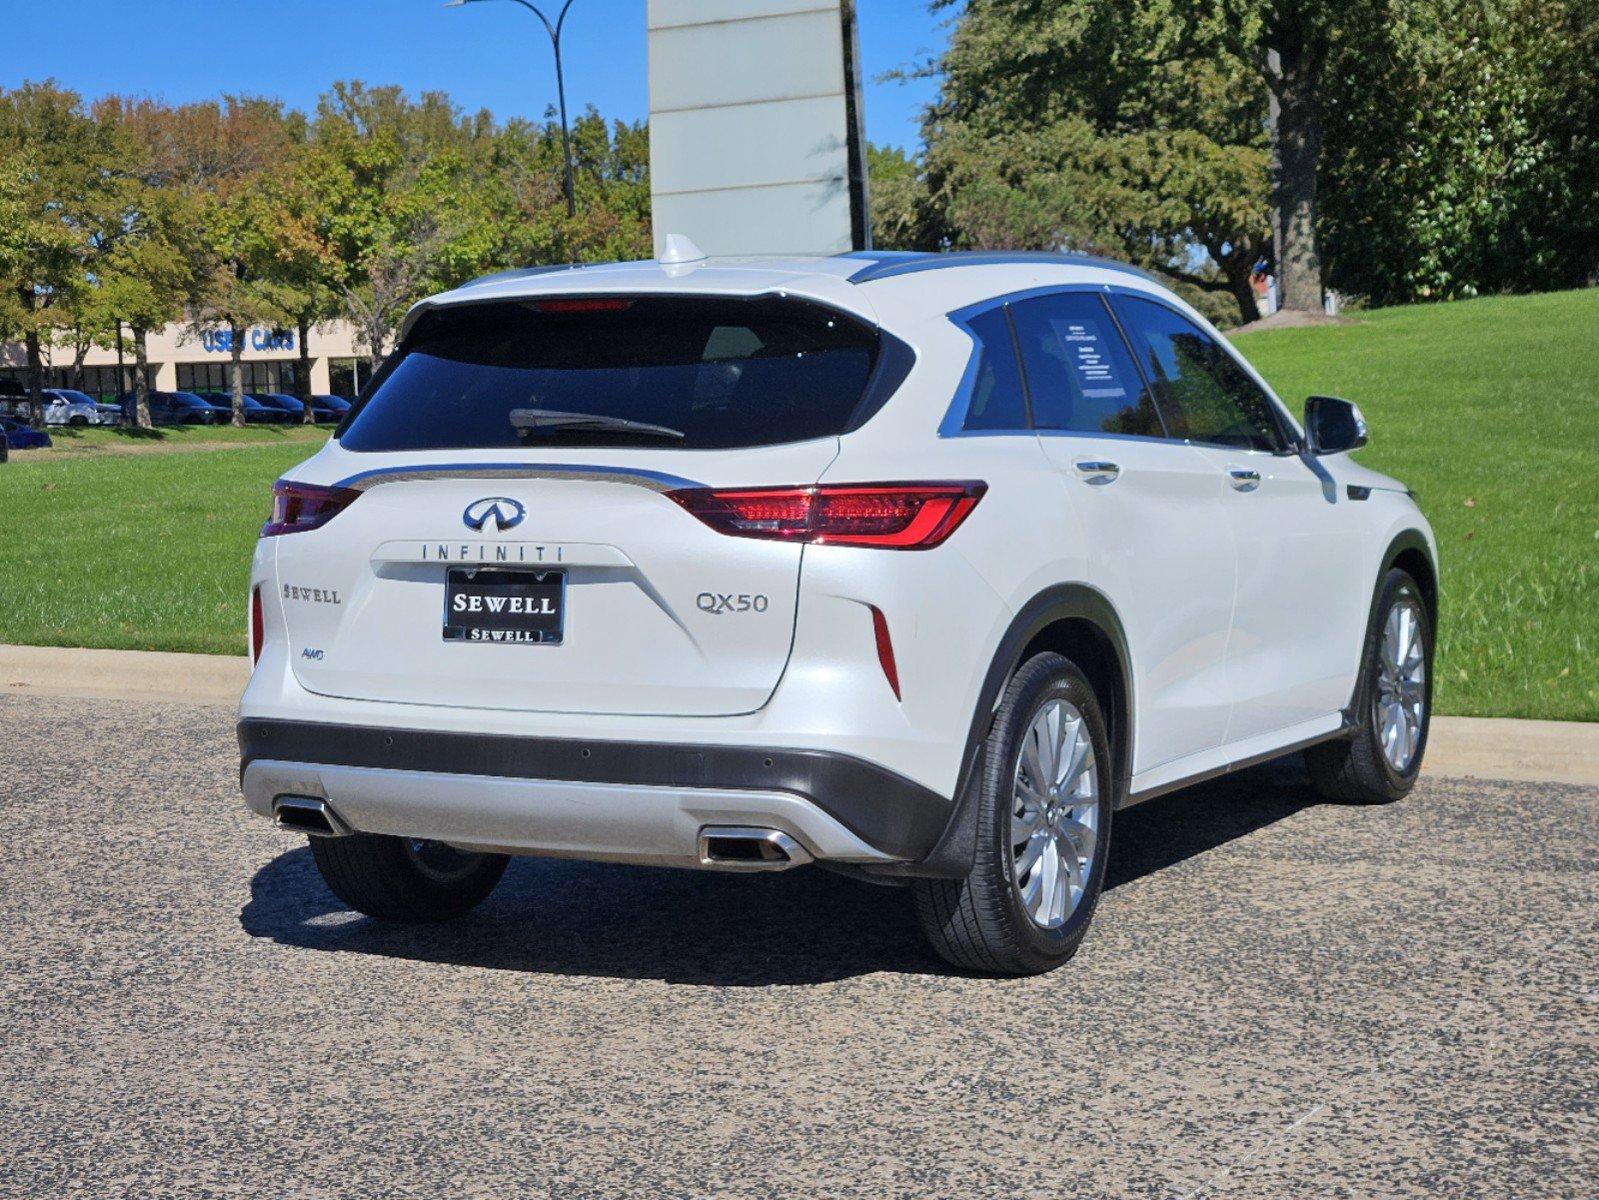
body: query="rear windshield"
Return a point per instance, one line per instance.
(722, 373)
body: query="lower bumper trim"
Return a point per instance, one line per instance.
(606, 822)
(891, 817)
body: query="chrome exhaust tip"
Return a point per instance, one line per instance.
(310, 815)
(747, 848)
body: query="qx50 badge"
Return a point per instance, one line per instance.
(502, 510)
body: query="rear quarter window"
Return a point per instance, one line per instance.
(725, 373)
(997, 401)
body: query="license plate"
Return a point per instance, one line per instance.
(488, 604)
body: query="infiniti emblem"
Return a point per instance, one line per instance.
(502, 510)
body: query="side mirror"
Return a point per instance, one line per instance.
(1333, 426)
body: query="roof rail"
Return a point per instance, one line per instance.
(888, 264)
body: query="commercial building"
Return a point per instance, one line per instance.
(183, 359)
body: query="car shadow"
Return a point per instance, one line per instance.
(689, 927)
(1163, 832)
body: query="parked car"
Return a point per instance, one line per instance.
(13, 399)
(329, 408)
(255, 413)
(916, 565)
(67, 406)
(293, 408)
(174, 408)
(23, 437)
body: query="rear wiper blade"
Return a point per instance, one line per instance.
(552, 420)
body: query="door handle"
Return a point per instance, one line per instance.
(1097, 471)
(1243, 479)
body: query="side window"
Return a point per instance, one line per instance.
(997, 401)
(1206, 396)
(1079, 374)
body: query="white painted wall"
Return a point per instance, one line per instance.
(750, 115)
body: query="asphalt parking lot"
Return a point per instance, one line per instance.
(1279, 998)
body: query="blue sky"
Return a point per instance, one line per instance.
(485, 55)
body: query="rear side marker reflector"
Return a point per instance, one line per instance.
(257, 626)
(297, 507)
(885, 649)
(891, 516)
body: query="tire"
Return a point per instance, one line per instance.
(396, 879)
(77, 422)
(982, 922)
(1361, 769)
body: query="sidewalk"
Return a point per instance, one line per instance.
(1460, 747)
(122, 674)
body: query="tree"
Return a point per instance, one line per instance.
(1291, 46)
(1462, 153)
(1041, 138)
(240, 213)
(58, 166)
(305, 268)
(84, 320)
(16, 168)
(225, 154)
(902, 215)
(416, 196)
(399, 199)
(240, 290)
(147, 272)
(611, 175)
(1308, 54)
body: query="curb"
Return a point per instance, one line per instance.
(1458, 747)
(122, 674)
(1510, 748)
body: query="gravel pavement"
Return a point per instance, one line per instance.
(1279, 998)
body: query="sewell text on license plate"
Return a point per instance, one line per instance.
(504, 605)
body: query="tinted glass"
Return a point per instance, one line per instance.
(726, 373)
(1206, 396)
(997, 399)
(1080, 376)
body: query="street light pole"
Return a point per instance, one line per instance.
(554, 30)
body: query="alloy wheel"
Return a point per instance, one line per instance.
(1054, 814)
(1401, 700)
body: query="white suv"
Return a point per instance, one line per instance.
(917, 567)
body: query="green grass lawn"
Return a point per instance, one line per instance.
(134, 551)
(176, 437)
(1489, 408)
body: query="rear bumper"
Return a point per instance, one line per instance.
(606, 800)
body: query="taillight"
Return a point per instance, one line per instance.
(894, 516)
(297, 507)
(257, 626)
